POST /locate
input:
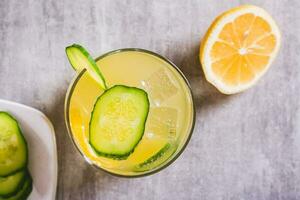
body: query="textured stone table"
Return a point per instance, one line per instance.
(245, 146)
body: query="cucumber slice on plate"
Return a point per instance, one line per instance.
(13, 147)
(23, 192)
(11, 184)
(118, 121)
(80, 59)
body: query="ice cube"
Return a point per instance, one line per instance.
(162, 122)
(159, 86)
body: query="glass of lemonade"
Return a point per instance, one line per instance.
(170, 120)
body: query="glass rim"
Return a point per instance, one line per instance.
(72, 86)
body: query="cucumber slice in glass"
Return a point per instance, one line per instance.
(118, 121)
(79, 58)
(158, 158)
(11, 184)
(13, 147)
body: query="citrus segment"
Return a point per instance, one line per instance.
(242, 26)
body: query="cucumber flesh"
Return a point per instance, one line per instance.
(118, 121)
(80, 59)
(13, 147)
(11, 184)
(24, 191)
(157, 159)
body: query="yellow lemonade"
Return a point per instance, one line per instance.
(170, 119)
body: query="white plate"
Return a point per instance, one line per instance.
(40, 137)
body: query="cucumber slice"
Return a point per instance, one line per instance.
(24, 191)
(80, 59)
(158, 158)
(118, 121)
(11, 184)
(13, 147)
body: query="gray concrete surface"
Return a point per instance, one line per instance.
(245, 146)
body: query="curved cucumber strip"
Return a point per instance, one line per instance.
(24, 191)
(13, 147)
(80, 59)
(118, 121)
(158, 158)
(11, 184)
